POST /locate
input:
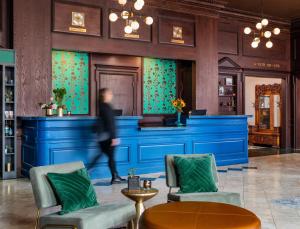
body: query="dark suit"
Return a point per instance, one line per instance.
(107, 127)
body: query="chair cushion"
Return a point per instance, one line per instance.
(106, 216)
(195, 174)
(219, 197)
(42, 190)
(74, 190)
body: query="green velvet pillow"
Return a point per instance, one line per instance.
(74, 190)
(195, 174)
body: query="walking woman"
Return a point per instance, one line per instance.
(108, 139)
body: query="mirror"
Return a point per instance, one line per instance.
(264, 112)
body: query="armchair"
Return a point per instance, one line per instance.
(103, 216)
(172, 182)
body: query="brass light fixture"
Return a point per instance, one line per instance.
(130, 15)
(261, 32)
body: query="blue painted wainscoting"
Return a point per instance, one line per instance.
(55, 140)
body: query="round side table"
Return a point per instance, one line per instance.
(139, 196)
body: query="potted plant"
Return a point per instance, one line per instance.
(178, 104)
(49, 107)
(59, 94)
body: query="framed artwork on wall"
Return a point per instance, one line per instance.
(176, 31)
(76, 18)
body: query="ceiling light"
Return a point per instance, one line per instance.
(256, 39)
(122, 2)
(128, 29)
(247, 30)
(276, 31)
(139, 4)
(254, 44)
(149, 20)
(125, 14)
(264, 22)
(269, 44)
(135, 25)
(267, 34)
(113, 17)
(259, 26)
(129, 15)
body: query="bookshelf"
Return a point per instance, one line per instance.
(8, 114)
(228, 94)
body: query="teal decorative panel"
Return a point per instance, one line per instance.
(71, 70)
(7, 56)
(159, 86)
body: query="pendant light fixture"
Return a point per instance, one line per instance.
(130, 15)
(261, 32)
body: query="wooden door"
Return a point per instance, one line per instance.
(123, 83)
(123, 89)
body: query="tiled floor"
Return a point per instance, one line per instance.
(272, 191)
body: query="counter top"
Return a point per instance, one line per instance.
(218, 116)
(56, 118)
(74, 117)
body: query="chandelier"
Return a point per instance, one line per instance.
(130, 16)
(261, 32)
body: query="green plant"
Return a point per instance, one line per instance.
(131, 172)
(59, 94)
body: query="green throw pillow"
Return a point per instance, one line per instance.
(195, 174)
(73, 190)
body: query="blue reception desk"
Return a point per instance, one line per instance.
(54, 140)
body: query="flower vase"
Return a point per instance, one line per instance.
(49, 112)
(178, 123)
(60, 112)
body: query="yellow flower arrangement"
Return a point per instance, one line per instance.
(178, 104)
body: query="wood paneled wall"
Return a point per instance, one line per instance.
(233, 43)
(296, 80)
(206, 82)
(5, 24)
(32, 42)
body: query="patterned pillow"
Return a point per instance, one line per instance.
(73, 190)
(195, 174)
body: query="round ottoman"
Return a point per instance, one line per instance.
(198, 215)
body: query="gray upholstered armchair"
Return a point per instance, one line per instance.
(172, 182)
(102, 216)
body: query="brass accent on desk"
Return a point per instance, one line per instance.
(139, 196)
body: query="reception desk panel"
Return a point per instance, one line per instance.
(57, 140)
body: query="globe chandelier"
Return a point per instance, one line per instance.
(261, 32)
(130, 15)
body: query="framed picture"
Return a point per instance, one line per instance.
(76, 18)
(229, 81)
(221, 91)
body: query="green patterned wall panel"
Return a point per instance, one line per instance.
(159, 86)
(7, 56)
(71, 70)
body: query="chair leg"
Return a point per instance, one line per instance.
(37, 219)
(130, 224)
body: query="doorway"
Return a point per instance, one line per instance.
(264, 99)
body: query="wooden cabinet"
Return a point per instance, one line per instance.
(267, 116)
(229, 93)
